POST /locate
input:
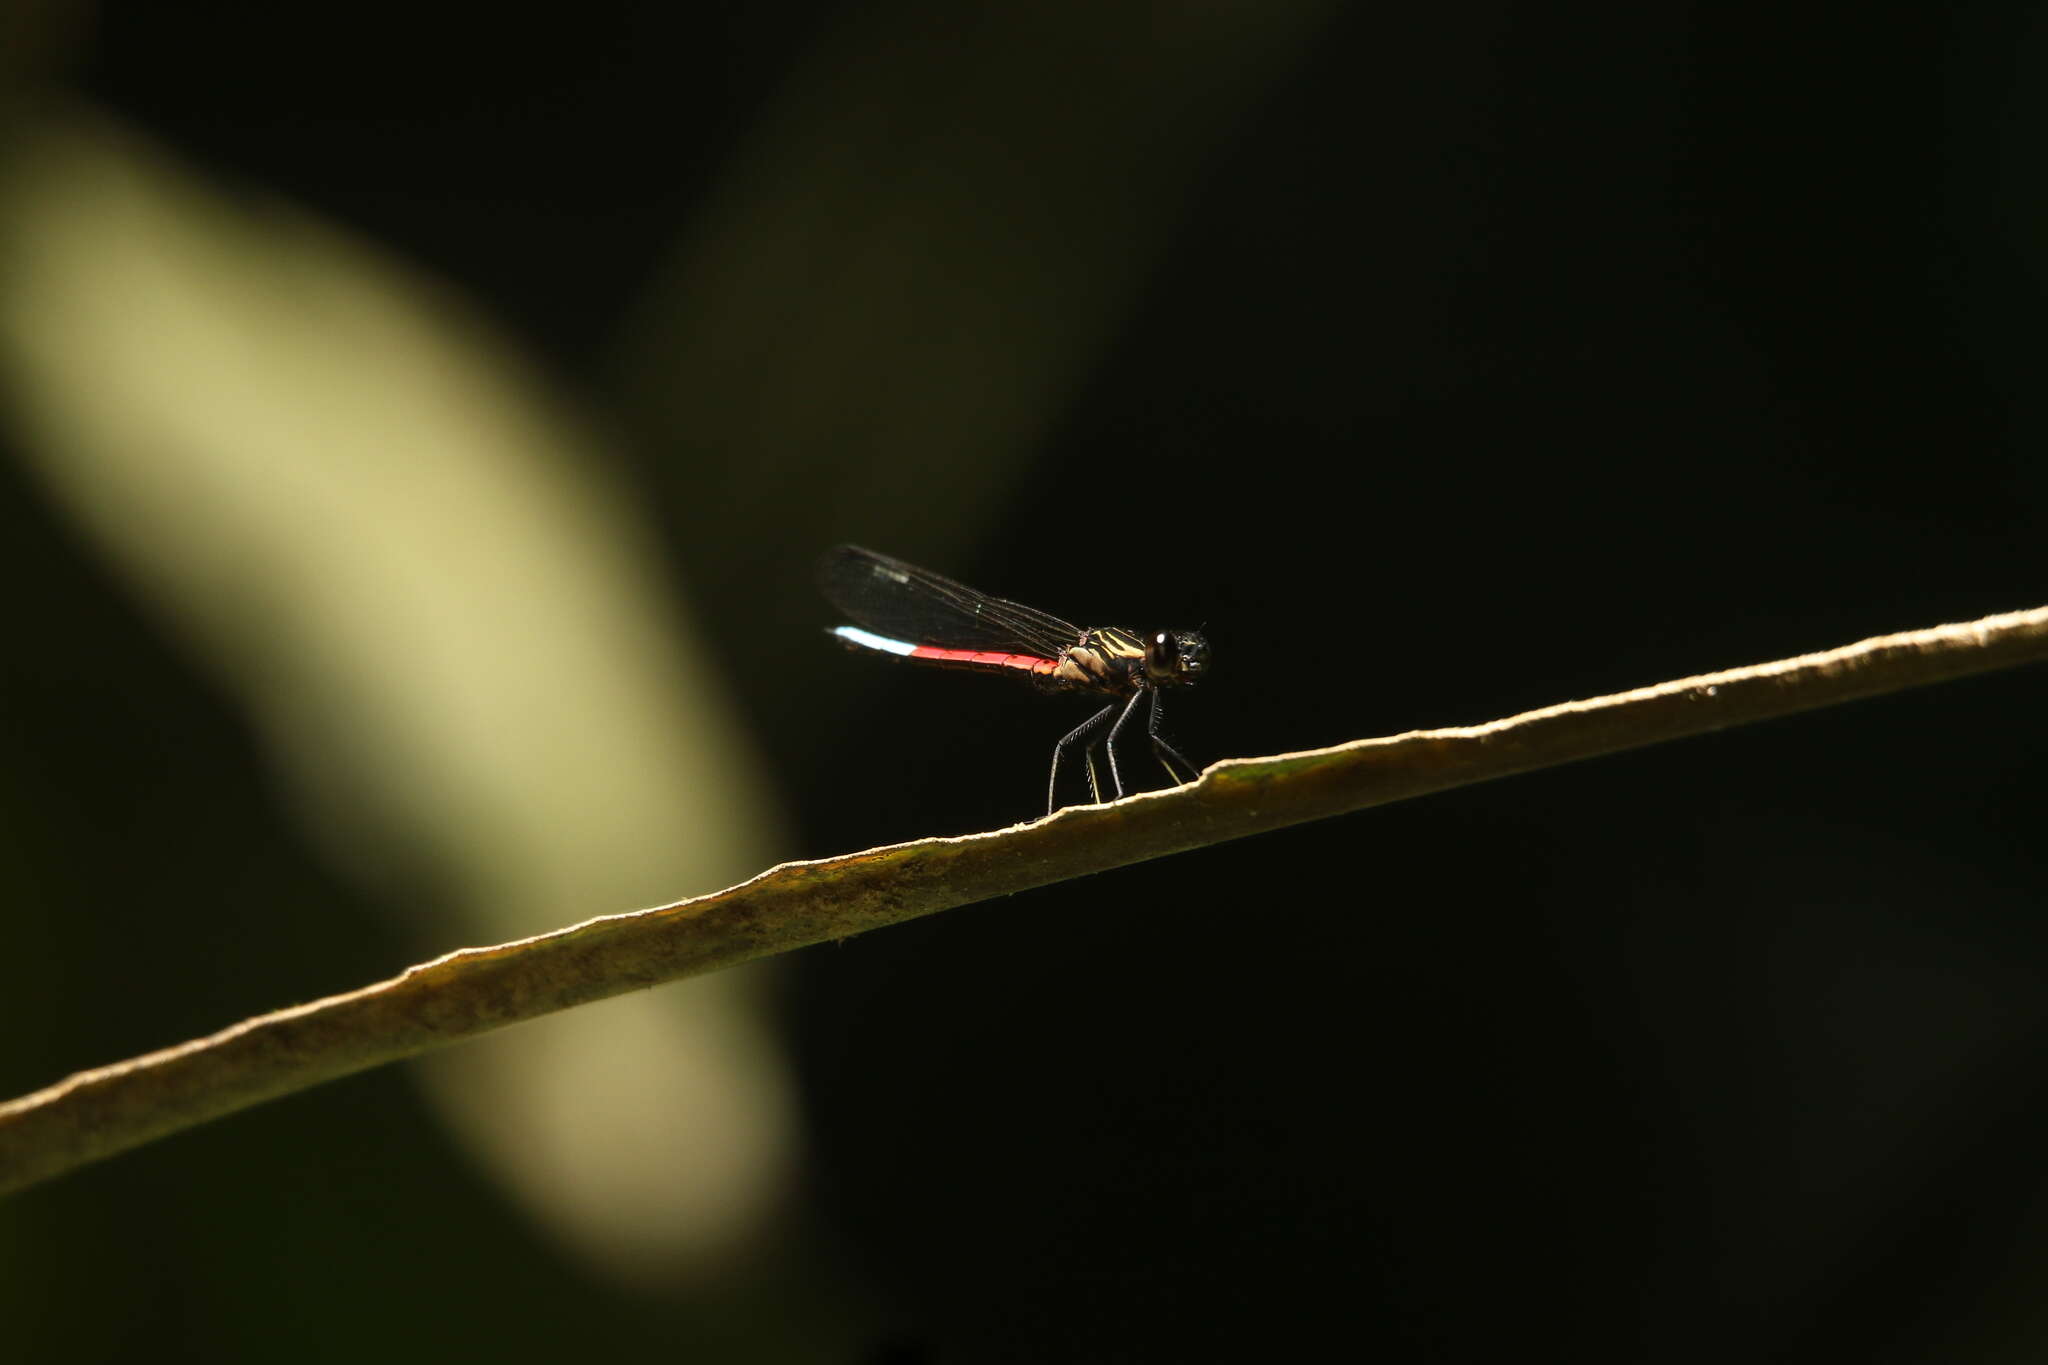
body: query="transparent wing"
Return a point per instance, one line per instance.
(901, 600)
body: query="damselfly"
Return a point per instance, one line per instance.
(913, 613)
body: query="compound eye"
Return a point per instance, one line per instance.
(1162, 655)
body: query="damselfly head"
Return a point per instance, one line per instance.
(1176, 657)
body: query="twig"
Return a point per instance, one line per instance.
(98, 1113)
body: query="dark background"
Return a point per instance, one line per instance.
(1491, 357)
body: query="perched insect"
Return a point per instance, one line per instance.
(913, 613)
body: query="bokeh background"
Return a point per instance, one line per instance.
(419, 432)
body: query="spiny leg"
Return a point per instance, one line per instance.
(1116, 778)
(1168, 756)
(1088, 752)
(1163, 751)
(1052, 786)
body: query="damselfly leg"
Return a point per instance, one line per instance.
(1086, 727)
(1090, 731)
(1163, 751)
(1116, 777)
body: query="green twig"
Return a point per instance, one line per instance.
(97, 1113)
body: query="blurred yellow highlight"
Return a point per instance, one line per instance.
(449, 626)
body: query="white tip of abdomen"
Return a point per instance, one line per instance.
(867, 639)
